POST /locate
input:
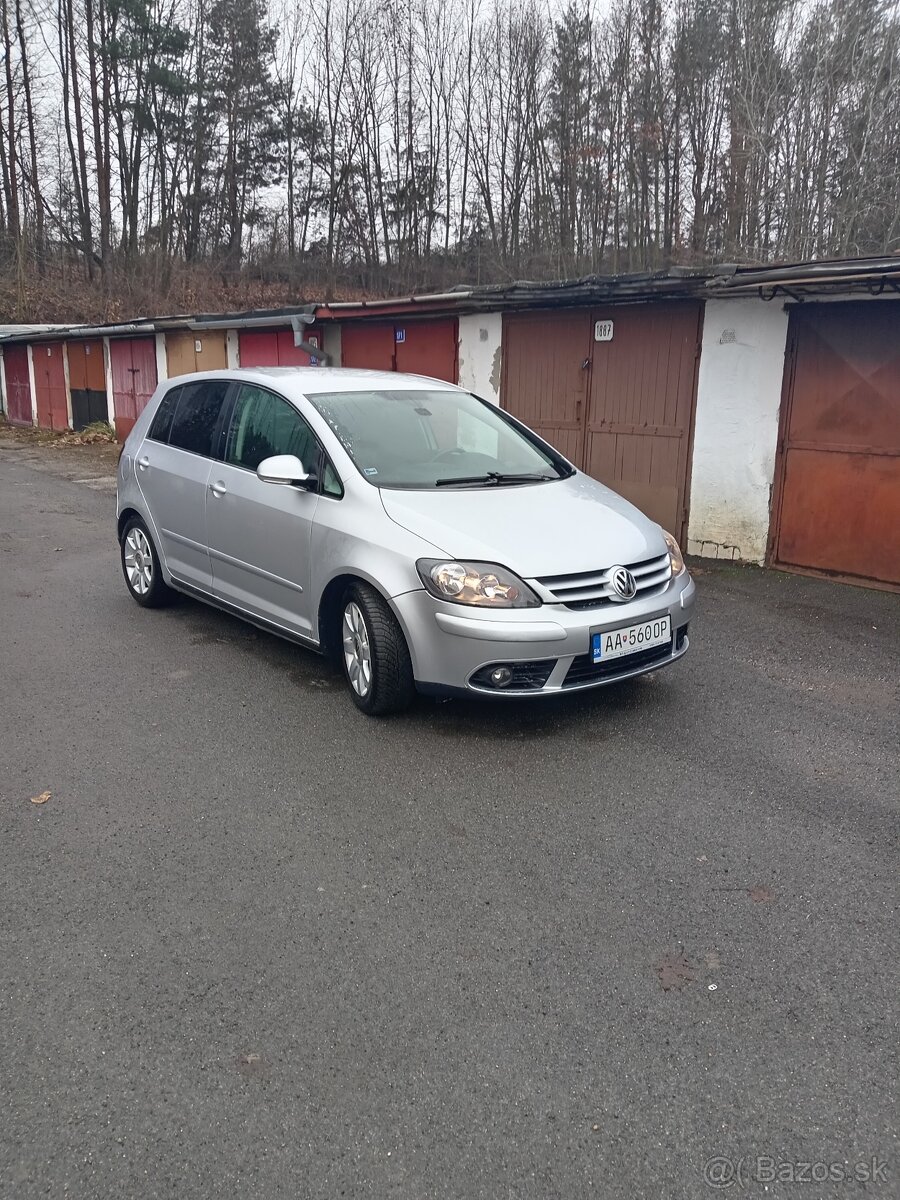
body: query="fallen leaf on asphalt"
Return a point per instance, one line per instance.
(761, 895)
(674, 972)
(41, 799)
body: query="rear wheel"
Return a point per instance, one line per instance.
(374, 653)
(140, 566)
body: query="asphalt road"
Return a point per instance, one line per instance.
(258, 945)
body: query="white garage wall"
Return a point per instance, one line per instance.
(331, 341)
(479, 354)
(736, 428)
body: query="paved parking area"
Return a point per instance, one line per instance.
(257, 945)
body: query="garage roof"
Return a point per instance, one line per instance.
(868, 276)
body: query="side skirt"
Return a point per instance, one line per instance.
(235, 611)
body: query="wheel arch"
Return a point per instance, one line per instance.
(329, 611)
(124, 517)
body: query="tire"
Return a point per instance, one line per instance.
(140, 566)
(369, 630)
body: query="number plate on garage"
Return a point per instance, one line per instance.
(616, 643)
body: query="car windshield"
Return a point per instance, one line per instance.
(435, 439)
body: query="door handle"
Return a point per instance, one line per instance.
(144, 463)
(218, 489)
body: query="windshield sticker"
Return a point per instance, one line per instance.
(370, 470)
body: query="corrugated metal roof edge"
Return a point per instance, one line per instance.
(143, 327)
(671, 283)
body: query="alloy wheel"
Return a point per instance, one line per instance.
(357, 650)
(138, 560)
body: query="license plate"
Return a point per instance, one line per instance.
(616, 643)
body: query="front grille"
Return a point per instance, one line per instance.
(584, 670)
(526, 676)
(593, 589)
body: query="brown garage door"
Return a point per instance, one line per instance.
(837, 500)
(544, 381)
(191, 351)
(614, 390)
(640, 416)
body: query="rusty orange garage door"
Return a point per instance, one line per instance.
(837, 497)
(87, 383)
(614, 389)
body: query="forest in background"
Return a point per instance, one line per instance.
(187, 155)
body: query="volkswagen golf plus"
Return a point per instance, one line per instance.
(423, 537)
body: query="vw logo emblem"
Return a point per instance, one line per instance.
(623, 584)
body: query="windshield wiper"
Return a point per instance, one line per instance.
(493, 478)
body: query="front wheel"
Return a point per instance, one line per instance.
(374, 653)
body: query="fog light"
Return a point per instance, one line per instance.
(501, 676)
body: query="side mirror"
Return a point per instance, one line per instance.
(286, 469)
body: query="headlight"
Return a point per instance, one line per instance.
(675, 556)
(483, 585)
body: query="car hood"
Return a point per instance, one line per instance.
(569, 525)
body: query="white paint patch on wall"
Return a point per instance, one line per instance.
(331, 341)
(736, 428)
(107, 375)
(232, 349)
(162, 359)
(479, 354)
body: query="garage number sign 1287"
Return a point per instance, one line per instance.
(615, 643)
(603, 331)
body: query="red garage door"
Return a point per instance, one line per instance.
(18, 384)
(369, 346)
(133, 367)
(419, 347)
(837, 506)
(275, 347)
(427, 348)
(50, 385)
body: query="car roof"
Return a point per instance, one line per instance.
(307, 381)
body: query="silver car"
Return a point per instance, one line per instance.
(422, 536)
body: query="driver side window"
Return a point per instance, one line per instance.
(263, 425)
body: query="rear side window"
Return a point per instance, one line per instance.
(162, 422)
(196, 414)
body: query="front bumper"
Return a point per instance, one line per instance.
(548, 647)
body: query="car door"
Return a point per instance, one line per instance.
(259, 533)
(172, 467)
